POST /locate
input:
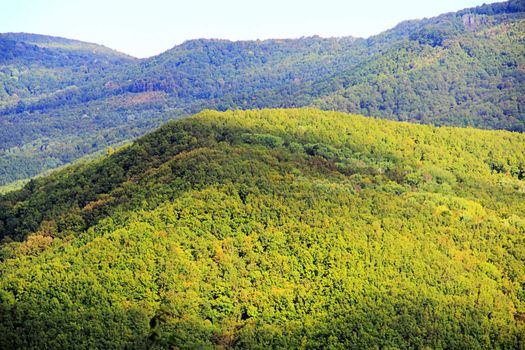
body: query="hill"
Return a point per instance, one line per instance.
(459, 69)
(273, 229)
(36, 66)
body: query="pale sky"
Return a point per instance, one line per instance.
(145, 28)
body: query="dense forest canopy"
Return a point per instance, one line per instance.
(272, 217)
(278, 228)
(62, 99)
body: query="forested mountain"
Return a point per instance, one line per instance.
(464, 68)
(37, 66)
(288, 228)
(262, 225)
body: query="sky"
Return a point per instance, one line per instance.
(146, 28)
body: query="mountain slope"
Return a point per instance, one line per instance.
(463, 68)
(275, 228)
(35, 66)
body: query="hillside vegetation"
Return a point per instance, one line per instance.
(273, 229)
(61, 99)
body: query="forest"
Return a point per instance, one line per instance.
(273, 228)
(310, 193)
(62, 100)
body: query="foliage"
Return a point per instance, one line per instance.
(460, 69)
(273, 229)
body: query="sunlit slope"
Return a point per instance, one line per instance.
(459, 69)
(273, 229)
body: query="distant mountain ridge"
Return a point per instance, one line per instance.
(62, 99)
(43, 64)
(50, 42)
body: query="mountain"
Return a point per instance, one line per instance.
(61, 99)
(461, 69)
(34, 66)
(286, 228)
